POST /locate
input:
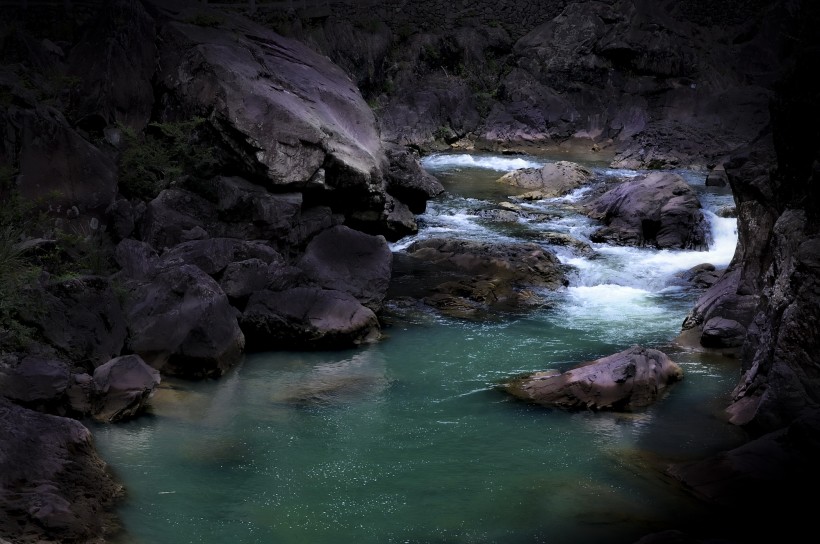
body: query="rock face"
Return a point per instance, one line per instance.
(53, 485)
(629, 380)
(551, 180)
(659, 210)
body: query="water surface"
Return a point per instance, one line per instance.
(410, 441)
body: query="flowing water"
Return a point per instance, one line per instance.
(410, 441)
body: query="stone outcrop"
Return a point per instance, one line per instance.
(629, 380)
(53, 485)
(658, 210)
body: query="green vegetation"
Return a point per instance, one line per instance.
(34, 243)
(167, 153)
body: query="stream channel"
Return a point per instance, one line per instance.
(410, 441)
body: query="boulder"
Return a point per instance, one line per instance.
(241, 279)
(180, 322)
(717, 177)
(82, 317)
(350, 261)
(468, 279)
(307, 318)
(631, 379)
(551, 180)
(659, 210)
(176, 216)
(54, 487)
(37, 382)
(408, 181)
(122, 387)
(282, 112)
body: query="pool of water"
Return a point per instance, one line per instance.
(411, 441)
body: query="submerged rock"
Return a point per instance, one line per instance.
(628, 380)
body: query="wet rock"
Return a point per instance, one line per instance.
(632, 379)
(717, 177)
(659, 210)
(408, 181)
(701, 276)
(122, 387)
(307, 318)
(469, 279)
(242, 278)
(551, 180)
(561, 239)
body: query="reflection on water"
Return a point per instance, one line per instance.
(410, 440)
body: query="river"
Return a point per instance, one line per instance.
(410, 441)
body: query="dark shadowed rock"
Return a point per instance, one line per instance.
(136, 259)
(551, 180)
(37, 382)
(54, 159)
(242, 278)
(53, 485)
(122, 386)
(176, 216)
(82, 317)
(350, 261)
(469, 279)
(408, 181)
(629, 380)
(307, 318)
(659, 210)
(181, 323)
(775, 464)
(254, 212)
(115, 61)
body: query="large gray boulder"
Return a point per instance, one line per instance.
(181, 322)
(659, 210)
(54, 487)
(289, 115)
(307, 318)
(629, 380)
(551, 180)
(350, 261)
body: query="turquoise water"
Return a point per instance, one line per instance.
(410, 441)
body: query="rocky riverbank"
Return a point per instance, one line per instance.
(184, 185)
